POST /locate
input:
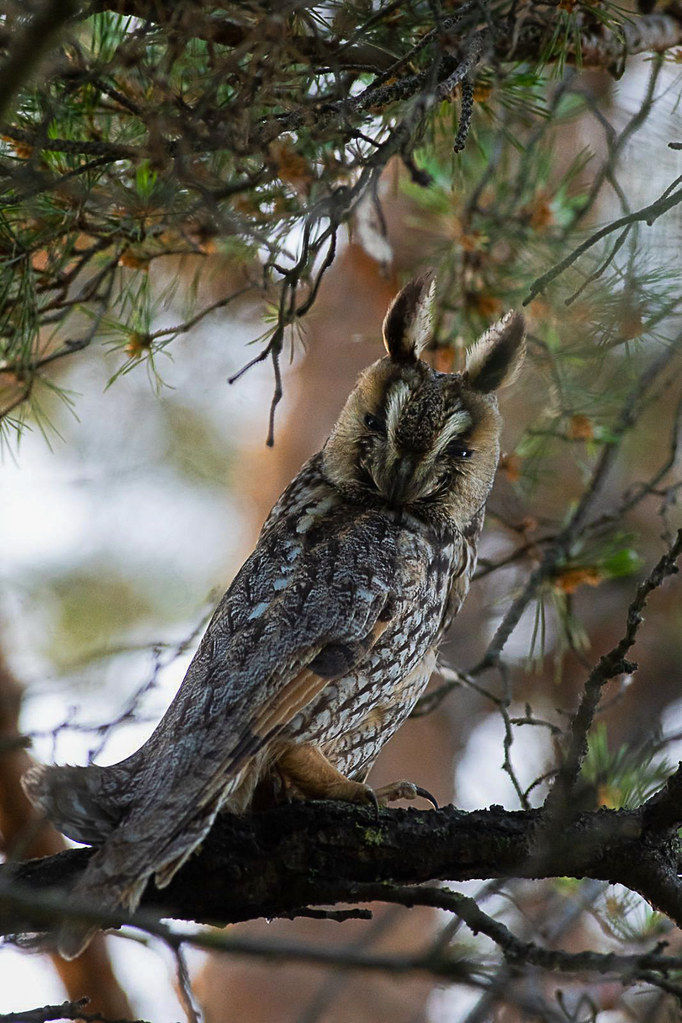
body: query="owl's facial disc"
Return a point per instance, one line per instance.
(415, 442)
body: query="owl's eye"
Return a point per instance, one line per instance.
(375, 424)
(459, 449)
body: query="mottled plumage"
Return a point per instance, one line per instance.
(327, 636)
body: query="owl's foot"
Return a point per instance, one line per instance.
(402, 789)
(306, 769)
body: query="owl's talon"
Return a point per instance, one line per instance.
(403, 789)
(372, 799)
(356, 792)
(425, 794)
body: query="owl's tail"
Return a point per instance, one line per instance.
(85, 803)
(138, 838)
(118, 873)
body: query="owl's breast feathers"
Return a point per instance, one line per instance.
(362, 555)
(405, 577)
(336, 602)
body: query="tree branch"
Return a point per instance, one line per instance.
(276, 862)
(609, 665)
(29, 45)
(670, 198)
(591, 46)
(65, 1010)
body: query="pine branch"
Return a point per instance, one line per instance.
(609, 665)
(579, 521)
(670, 198)
(591, 46)
(29, 45)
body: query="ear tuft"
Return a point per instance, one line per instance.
(496, 358)
(407, 324)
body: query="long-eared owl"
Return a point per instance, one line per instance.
(327, 636)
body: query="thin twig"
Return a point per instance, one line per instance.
(648, 214)
(611, 664)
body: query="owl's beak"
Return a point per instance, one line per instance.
(401, 480)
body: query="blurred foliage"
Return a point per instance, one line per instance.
(95, 608)
(625, 776)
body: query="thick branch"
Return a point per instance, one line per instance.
(601, 46)
(593, 46)
(272, 864)
(65, 1010)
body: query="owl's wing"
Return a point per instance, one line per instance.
(274, 643)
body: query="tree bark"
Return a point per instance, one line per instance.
(277, 862)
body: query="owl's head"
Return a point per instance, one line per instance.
(418, 440)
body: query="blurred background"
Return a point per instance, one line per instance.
(126, 507)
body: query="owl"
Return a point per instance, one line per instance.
(327, 637)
